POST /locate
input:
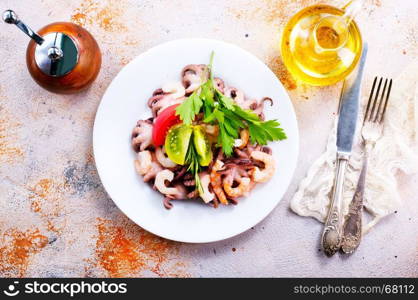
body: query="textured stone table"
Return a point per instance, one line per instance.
(55, 217)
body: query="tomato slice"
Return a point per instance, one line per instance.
(202, 145)
(177, 143)
(165, 120)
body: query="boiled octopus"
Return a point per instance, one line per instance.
(246, 103)
(193, 76)
(171, 94)
(142, 135)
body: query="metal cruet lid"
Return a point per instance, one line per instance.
(56, 54)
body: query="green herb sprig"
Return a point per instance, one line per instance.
(194, 166)
(223, 111)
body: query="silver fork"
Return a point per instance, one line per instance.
(371, 131)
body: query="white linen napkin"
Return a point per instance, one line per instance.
(395, 150)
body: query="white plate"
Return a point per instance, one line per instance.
(125, 102)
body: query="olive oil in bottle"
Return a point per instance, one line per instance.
(320, 46)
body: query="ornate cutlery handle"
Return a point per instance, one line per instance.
(331, 236)
(353, 224)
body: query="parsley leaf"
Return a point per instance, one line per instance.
(225, 101)
(247, 115)
(216, 115)
(261, 131)
(273, 130)
(225, 140)
(189, 108)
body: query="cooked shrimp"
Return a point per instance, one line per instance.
(154, 168)
(211, 129)
(216, 181)
(146, 165)
(163, 159)
(241, 190)
(207, 196)
(236, 174)
(243, 140)
(269, 166)
(153, 171)
(212, 132)
(143, 163)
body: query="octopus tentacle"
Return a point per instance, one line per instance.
(179, 173)
(267, 150)
(154, 99)
(181, 195)
(266, 99)
(159, 102)
(259, 107)
(193, 194)
(219, 84)
(142, 135)
(167, 203)
(193, 76)
(189, 183)
(239, 98)
(158, 91)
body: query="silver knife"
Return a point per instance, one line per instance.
(347, 120)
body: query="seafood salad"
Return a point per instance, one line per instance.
(205, 140)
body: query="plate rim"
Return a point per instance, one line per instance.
(127, 213)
